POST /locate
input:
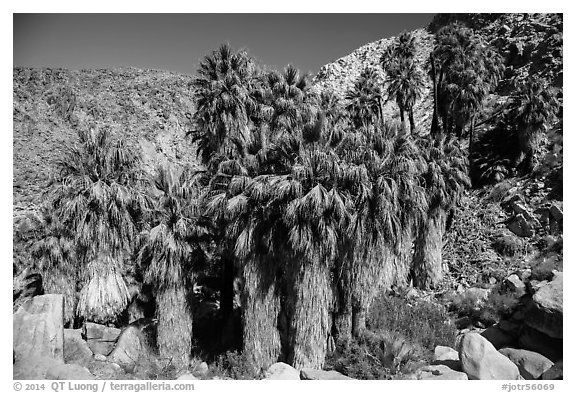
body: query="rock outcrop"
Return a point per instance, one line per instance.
(480, 360)
(545, 312)
(38, 328)
(322, 375)
(530, 364)
(282, 371)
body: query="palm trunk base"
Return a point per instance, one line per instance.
(174, 326)
(428, 271)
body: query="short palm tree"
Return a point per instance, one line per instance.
(388, 205)
(97, 207)
(171, 250)
(532, 108)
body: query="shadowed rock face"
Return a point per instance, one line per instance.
(531, 364)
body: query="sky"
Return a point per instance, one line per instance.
(177, 42)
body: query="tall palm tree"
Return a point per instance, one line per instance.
(97, 206)
(405, 85)
(225, 105)
(445, 178)
(171, 250)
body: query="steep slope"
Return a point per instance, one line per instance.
(340, 75)
(148, 109)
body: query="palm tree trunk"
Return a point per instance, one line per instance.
(376, 270)
(380, 112)
(411, 117)
(343, 322)
(261, 308)
(435, 126)
(227, 302)
(472, 121)
(311, 320)
(174, 326)
(427, 265)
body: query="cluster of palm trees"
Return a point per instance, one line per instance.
(316, 203)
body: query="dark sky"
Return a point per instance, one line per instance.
(176, 42)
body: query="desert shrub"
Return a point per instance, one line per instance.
(235, 365)
(421, 323)
(376, 355)
(399, 334)
(550, 258)
(509, 246)
(489, 310)
(542, 268)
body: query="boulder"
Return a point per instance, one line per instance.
(498, 338)
(38, 328)
(33, 367)
(530, 364)
(447, 356)
(516, 285)
(556, 212)
(536, 341)
(520, 226)
(322, 375)
(509, 327)
(186, 377)
(99, 357)
(200, 369)
(106, 370)
(554, 372)
(76, 350)
(69, 372)
(128, 348)
(100, 338)
(545, 311)
(480, 360)
(282, 371)
(440, 372)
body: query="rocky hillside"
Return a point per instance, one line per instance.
(340, 75)
(530, 44)
(147, 108)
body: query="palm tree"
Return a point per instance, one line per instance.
(365, 99)
(223, 103)
(445, 179)
(406, 84)
(532, 108)
(388, 205)
(468, 69)
(96, 206)
(224, 108)
(171, 250)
